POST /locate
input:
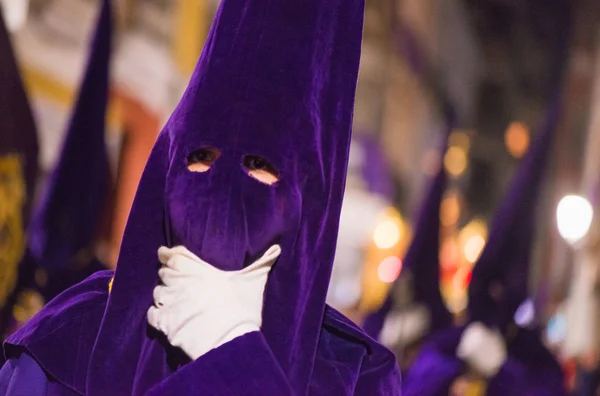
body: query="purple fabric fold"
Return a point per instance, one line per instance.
(376, 171)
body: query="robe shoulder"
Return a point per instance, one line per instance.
(361, 363)
(61, 336)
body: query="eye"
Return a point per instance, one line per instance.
(201, 160)
(260, 169)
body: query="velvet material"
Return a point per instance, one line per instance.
(422, 259)
(62, 335)
(63, 278)
(346, 363)
(23, 376)
(276, 79)
(376, 172)
(67, 221)
(18, 172)
(529, 370)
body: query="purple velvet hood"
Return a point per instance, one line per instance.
(18, 128)
(276, 79)
(66, 223)
(422, 259)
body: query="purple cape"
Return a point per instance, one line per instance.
(276, 79)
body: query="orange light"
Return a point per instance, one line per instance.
(455, 161)
(461, 139)
(516, 139)
(450, 210)
(462, 278)
(449, 254)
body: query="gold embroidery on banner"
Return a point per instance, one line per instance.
(110, 284)
(12, 239)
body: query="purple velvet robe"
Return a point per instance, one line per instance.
(529, 370)
(276, 79)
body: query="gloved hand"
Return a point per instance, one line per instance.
(483, 349)
(199, 307)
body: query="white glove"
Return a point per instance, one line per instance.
(483, 349)
(404, 327)
(199, 307)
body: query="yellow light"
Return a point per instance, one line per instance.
(455, 161)
(516, 139)
(472, 239)
(473, 247)
(457, 302)
(460, 138)
(389, 269)
(450, 210)
(387, 234)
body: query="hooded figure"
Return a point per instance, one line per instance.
(65, 225)
(517, 363)
(407, 316)
(18, 174)
(242, 194)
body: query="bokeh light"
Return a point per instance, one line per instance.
(387, 234)
(574, 217)
(460, 138)
(556, 330)
(473, 247)
(450, 210)
(472, 239)
(389, 269)
(516, 139)
(449, 254)
(462, 279)
(455, 161)
(525, 314)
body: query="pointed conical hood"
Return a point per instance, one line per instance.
(422, 258)
(70, 212)
(375, 170)
(501, 275)
(275, 84)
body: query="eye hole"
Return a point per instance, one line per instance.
(201, 160)
(260, 169)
